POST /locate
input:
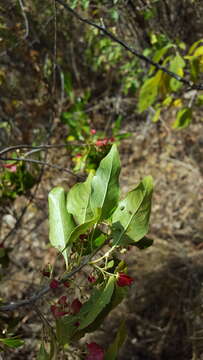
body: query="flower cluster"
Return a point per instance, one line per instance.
(104, 142)
(54, 284)
(91, 279)
(63, 308)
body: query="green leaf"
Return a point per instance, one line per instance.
(43, 354)
(81, 229)
(97, 302)
(156, 115)
(118, 295)
(159, 55)
(194, 68)
(78, 201)
(177, 65)
(149, 92)
(12, 342)
(66, 328)
(194, 46)
(131, 218)
(61, 222)
(167, 101)
(113, 349)
(198, 51)
(183, 118)
(105, 184)
(144, 243)
(91, 314)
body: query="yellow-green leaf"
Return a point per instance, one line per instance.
(177, 65)
(149, 92)
(183, 118)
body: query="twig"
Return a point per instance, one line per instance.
(44, 290)
(55, 47)
(43, 147)
(45, 164)
(25, 19)
(104, 30)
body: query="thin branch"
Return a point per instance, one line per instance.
(45, 164)
(55, 46)
(25, 19)
(44, 290)
(104, 30)
(43, 147)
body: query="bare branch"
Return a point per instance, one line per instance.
(104, 30)
(44, 290)
(25, 19)
(42, 147)
(45, 164)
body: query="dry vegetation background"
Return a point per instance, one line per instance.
(164, 310)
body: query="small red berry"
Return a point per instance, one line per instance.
(105, 141)
(56, 311)
(54, 284)
(46, 273)
(91, 279)
(93, 131)
(66, 284)
(76, 306)
(112, 139)
(99, 143)
(78, 155)
(124, 280)
(62, 300)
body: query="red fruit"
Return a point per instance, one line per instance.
(54, 284)
(76, 306)
(57, 312)
(91, 279)
(112, 139)
(78, 155)
(66, 284)
(124, 280)
(95, 352)
(45, 273)
(105, 141)
(62, 300)
(101, 142)
(93, 131)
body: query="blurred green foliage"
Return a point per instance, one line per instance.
(15, 180)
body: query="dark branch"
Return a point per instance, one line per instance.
(190, 84)
(44, 290)
(42, 147)
(44, 163)
(30, 301)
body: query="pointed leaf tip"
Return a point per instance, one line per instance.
(105, 184)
